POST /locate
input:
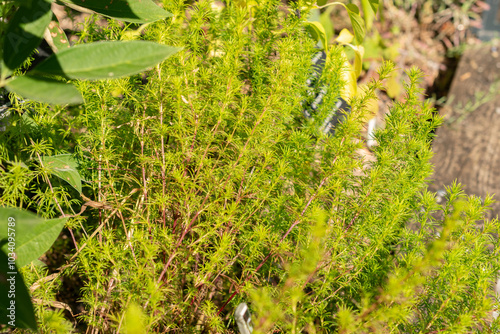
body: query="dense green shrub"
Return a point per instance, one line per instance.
(206, 187)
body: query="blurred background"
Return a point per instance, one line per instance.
(455, 43)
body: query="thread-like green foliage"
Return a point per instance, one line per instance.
(208, 188)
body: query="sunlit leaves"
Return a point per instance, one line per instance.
(317, 32)
(45, 90)
(137, 11)
(105, 60)
(64, 167)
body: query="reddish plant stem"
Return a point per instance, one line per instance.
(295, 223)
(214, 130)
(186, 230)
(175, 223)
(357, 213)
(144, 182)
(163, 178)
(191, 149)
(261, 116)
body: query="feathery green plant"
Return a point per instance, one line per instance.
(205, 187)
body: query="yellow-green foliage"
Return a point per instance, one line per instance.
(208, 188)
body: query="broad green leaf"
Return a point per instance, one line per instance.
(358, 59)
(137, 11)
(349, 76)
(321, 2)
(33, 235)
(24, 33)
(64, 167)
(345, 37)
(317, 32)
(29, 123)
(105, 60)
(326, 22)
(45, 90)
(16, 309)
(374, 4)
(370, 10)
(314, 15)
(55, 36)
(358, 25)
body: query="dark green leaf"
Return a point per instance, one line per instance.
(33, 235)
(105, 60)
(137, 11)
(64, 167)
(24, 33)
(358, 25)
(23, 315)
(45, 90)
